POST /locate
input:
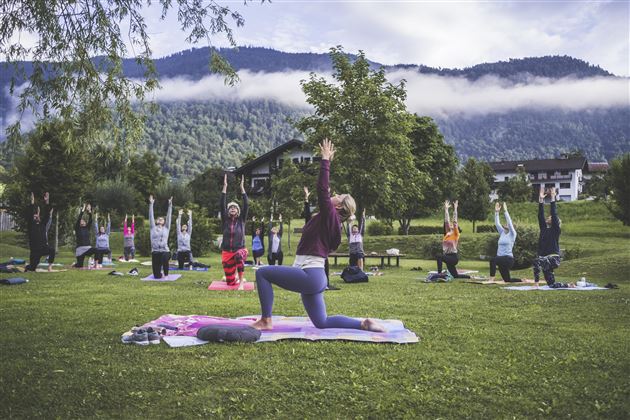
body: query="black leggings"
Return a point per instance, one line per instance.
(451, 261)
(505, 264)
(182, 257)
(81, 258)
(37, 254)
(159, 263)
(275, 257)
(98, 254)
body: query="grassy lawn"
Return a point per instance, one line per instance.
(484, 352)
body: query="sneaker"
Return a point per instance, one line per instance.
(133, 272)
(153, 336)
(115, 273)
(140, 337)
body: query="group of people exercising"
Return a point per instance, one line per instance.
(321, 235)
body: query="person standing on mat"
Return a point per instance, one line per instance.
(258, 240)
(233, 251)
(307, 217)
(38, 227)
(507, 236)
(355, 242)
(102, 240)
(129, 234)
(275, 254)
(184, 232)
(548, 242)
(320, 236)
(160, 253)
(82, 232)
(450, 242)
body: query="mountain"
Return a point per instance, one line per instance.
(189, 136)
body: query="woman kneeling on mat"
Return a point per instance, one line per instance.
(184, 252)
(82, 234)
(160, 253)
(321, 235)
(102, 240)
(449, 243)
(258, 240)
(507, 236)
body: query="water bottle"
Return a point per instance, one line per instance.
(582, 282)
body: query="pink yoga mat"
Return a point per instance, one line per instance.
(221, 285)
(170, 277)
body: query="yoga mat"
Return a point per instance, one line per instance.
(185, 269)
(122, 260)
(170, 277)
(148, 263)
(42, 270)
(545, 287)
(90, 268)
(45, 264)
(458, 272)
(181, 331)
(221, 285)
(495, 282)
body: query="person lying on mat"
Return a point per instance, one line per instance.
(548, 242)
(320, 236)
(507, 235)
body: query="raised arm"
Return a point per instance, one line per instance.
(508, 219)
(455, 205)
(96, 223)
(447, 220)
(133, 224)
(151, 216)
(89, 210)
(362, 224)
(190, 222)
(323, 181)
(109, 225)
(245, 209)
(497, 222)
(281, 226)
(555, 221)
(77, 225)
(169, 213)
(541, 208)
(125, 229)
(178, 222)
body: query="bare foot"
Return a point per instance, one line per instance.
(241, 284)
(50, 268)
(572, 285)
(491, 278)
(527, 281)
(371, 325)
(263, 324)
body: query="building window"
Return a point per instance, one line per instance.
(565, 185)
(550, 185)
(280, 162)
(316, 159)
(296, 160)
(505, 178)
(307, 160)
(564, 172)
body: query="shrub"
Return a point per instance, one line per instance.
(379, 228)
(524, 249)
(423, 230)
(486, 229)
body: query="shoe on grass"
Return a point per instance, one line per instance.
(115, 273)
(153, 336)
(133, 272)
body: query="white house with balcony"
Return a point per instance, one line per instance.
(565, 174)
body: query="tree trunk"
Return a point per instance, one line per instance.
(473, 226)
(57, 234)
(289, 235)
(404, 225)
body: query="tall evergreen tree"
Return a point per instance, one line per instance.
(475, 184)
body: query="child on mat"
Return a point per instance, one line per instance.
(320, 236)
(258, 240)
(233, 251)
(507, 236)
(160, 253)
(82, 233)
(102, 240)
(548, 242)
(355, 242)
(129, 234)
(38, 227)
(184, 232)
(450, 242)
(275, 254)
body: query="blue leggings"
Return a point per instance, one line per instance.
(310, 283)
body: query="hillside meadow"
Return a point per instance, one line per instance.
(484, 351)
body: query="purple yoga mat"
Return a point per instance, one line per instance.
(170, 277)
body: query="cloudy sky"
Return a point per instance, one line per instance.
(439, 33)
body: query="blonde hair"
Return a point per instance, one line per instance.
(348, 207)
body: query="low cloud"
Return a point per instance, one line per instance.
(426, 94)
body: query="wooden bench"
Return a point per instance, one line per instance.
(382, 257)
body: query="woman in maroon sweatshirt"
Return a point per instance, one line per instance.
(320, 236)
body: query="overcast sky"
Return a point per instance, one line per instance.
(435, 33)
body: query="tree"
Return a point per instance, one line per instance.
(618, 176)
(365, 117)
(144, 174)
(517, 189)
(115, 196)
(50, 164)
(206, 189)
(475, 179)
(77, 69)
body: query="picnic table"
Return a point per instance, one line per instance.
(382, 257)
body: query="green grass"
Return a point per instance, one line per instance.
(484, 352)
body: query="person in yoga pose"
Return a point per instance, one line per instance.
(129, 234)
(82, 233)
(321, 235)
(450, 242)
(160, 253)
(548, 242)
(102, 240)
(307, 217)
(258, 240)
(184, 232)
(507, 235)
(275, 254)
(355, 242)
(38, 227)
(233, 251)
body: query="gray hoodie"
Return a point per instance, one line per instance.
(159, 234)
(102, 239)
(183, 238)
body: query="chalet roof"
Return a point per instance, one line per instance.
(270, 155)
(597, 166)
(539, 165)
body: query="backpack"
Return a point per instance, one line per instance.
(354, 274)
